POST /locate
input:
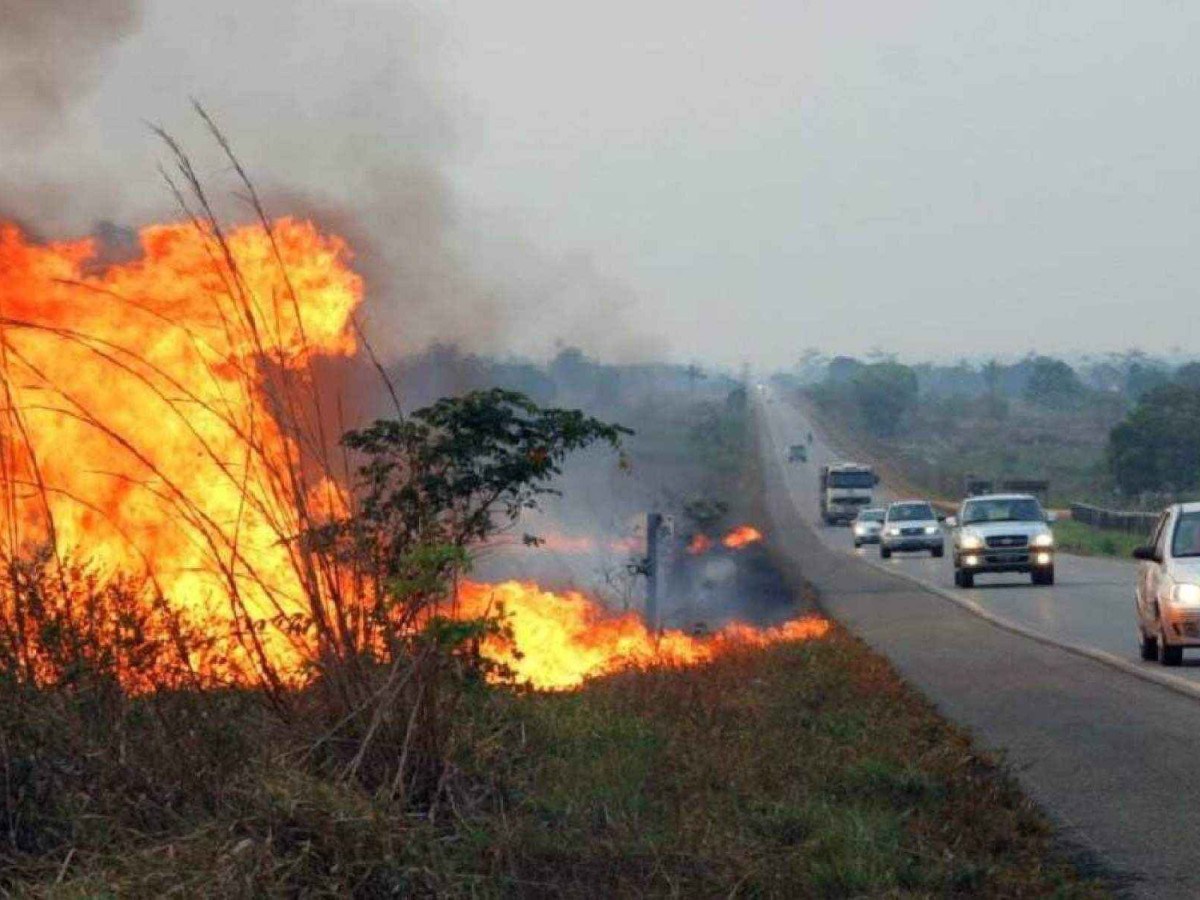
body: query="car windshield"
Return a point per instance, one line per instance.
(871, 515)
(1002, 509)
(851, 479)
(910, 512)
(1186, 541)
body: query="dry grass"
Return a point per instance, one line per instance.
(803, 770)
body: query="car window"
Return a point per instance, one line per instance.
(1002, 509)
(910, 512)
(851, 479)
(1186, 539)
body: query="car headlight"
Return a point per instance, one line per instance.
(971, 542)
(931, 529)
(860, 529)
(1186, 595)
(1044, 540)
(893, 532)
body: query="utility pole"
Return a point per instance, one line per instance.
(653, 527)
(658, 564)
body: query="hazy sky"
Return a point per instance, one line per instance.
(709, 180)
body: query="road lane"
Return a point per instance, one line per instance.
(1090, 604)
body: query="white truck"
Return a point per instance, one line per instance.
(846, 488)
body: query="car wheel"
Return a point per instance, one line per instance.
(858, 545)
(1147, 646)
(1043, 576)
(938, 552)
(968, 578)
(1167, 654)
(884, 552)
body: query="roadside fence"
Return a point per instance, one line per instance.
(1114, 520)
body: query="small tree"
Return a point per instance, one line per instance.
(1157, 447)
(886, 393)
(1052, 382)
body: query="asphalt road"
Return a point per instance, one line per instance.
(1113, 759)
(1090, 604)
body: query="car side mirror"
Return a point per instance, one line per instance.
(1146, 554)
(950, 521)
(876, 480)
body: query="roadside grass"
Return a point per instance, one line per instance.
(1086, 540)
(805, 770)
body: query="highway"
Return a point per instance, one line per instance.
(1110, 755)
(1089, 606)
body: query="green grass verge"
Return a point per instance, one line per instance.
(805, 770)
(1086, 540)
(808, 770)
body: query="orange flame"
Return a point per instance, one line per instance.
(560, 640)
(141, 420)
(741, 537)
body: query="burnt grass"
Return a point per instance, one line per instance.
(803, 770)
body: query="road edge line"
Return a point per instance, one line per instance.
(1171, 682)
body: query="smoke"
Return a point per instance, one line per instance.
(347, 113)
(51, 53)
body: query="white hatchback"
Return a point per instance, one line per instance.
(1168, 586)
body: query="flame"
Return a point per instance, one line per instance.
(741, 536)
(142, 421)
(561, 640)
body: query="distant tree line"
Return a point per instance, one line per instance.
(1153, 449)
(571, 378)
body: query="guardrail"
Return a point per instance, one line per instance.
(1114, 520)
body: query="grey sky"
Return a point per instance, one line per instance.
(719, 181)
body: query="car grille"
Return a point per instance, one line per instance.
(1008, 540)
(911, 532)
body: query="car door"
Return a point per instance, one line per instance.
(1150, 572)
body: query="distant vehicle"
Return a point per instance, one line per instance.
(1168, 586)
(909, 526)
(797, 453)
(867, 525)
(1002, 533)
(845, 489)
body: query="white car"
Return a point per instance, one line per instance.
(1002, 533)
(1168, 586)
(867, 525)
(911, 525)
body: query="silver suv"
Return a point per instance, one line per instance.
(911, 525)
(1002, 533)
